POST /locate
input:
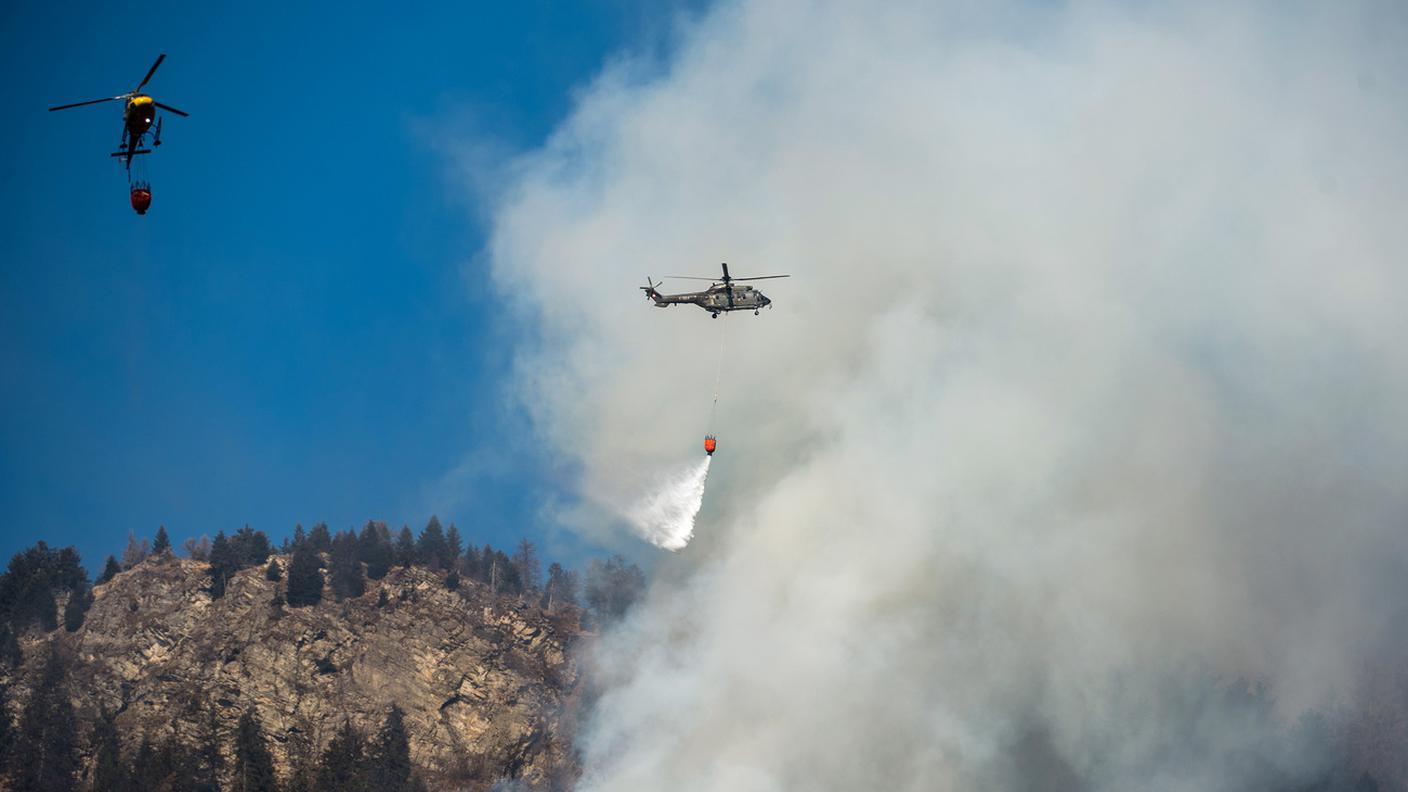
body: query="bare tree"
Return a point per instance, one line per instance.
(197, 549)
(525, 560)
(136, 552)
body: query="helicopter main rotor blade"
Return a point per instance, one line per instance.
(171, 109)
(763, 277)
(150, 72)
(691, 277)
(91, 101)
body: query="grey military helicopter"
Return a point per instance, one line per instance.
(721, 296)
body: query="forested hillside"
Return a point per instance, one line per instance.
(366, 660)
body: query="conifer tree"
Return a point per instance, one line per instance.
(145, 771)
(320, 539)
(162, 544)
(525, 561)
(209, 760)
(343, 766)
(469, 563)
(613, 586)
(7, 728)
(251, 547)
(432, 549)
(305, 577)
(453, 546)
(510, 582)
(254, 767)
(345, 570)
(28, 585)
(391, 755)
(110, 570)
(224, 562)
(10, 653)
(272, 572)
(405, 547)
(108, 770)
(300, 780)
(298, 536)
(374, 549)
(561, 588)
(44, 756)
(452, 580)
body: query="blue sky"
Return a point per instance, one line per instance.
(289, 335)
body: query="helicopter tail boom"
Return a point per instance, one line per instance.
(652, 294)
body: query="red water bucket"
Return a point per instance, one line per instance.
(141, 199)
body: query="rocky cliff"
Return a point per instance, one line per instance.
(484, 682)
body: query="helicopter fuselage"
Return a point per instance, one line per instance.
(137, 116)
(715, 299)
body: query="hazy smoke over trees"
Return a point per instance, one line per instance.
(1087, 395)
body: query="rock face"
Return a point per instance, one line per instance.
(483, 681)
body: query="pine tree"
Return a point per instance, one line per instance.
(7, 728)
(108, 770)
(345, 569)
(405, 547)
(254, 766)
(453, 546)
(305, 577)
(510, 581)
(469, 563)
(162, 543)
(391, 755)
(300, 780)
(224, 563)
(251, 547)
(613, 586)
(452, 580)
(343, 767)
(27, 588)
(10, 653)
(44, 757)
(298, 536)
(110, 570)
(525, 560)
(374, 549)
(432, 549)
(320, 539)
(210, 761)
(177, 767)
(79, 600)
(561, 588)
(272, 572)
(145, 771)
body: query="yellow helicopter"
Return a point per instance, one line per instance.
(138, 113)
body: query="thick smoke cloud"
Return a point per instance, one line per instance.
(1089, 386)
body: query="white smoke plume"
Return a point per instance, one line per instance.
(665, 516)
(1090, 380)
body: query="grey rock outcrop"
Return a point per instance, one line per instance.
(483, 681)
